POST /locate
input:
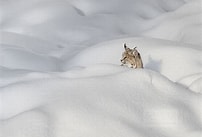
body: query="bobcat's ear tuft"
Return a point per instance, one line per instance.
(125, 45)
(134, 47)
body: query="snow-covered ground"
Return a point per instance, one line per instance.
(60, 73)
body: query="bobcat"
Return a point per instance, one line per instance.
(132, 57)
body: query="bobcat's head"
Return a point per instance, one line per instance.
(128, 53)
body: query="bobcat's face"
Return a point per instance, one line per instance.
(131, 57)
(127, 58)
(127, 54)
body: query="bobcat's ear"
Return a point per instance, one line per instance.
(124, 46)
(134, 47)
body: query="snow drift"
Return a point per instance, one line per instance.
(60, 73)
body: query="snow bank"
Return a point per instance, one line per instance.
(166, 57)
(24, 59)
(182, 25)
(140, 100)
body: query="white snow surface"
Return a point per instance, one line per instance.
(60, 73)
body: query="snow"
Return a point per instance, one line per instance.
(60, 73)
(187, 20)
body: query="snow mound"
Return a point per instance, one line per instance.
(30, 43)
(139, 100)
(172, 59)
(20, 58)
(184, 25)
